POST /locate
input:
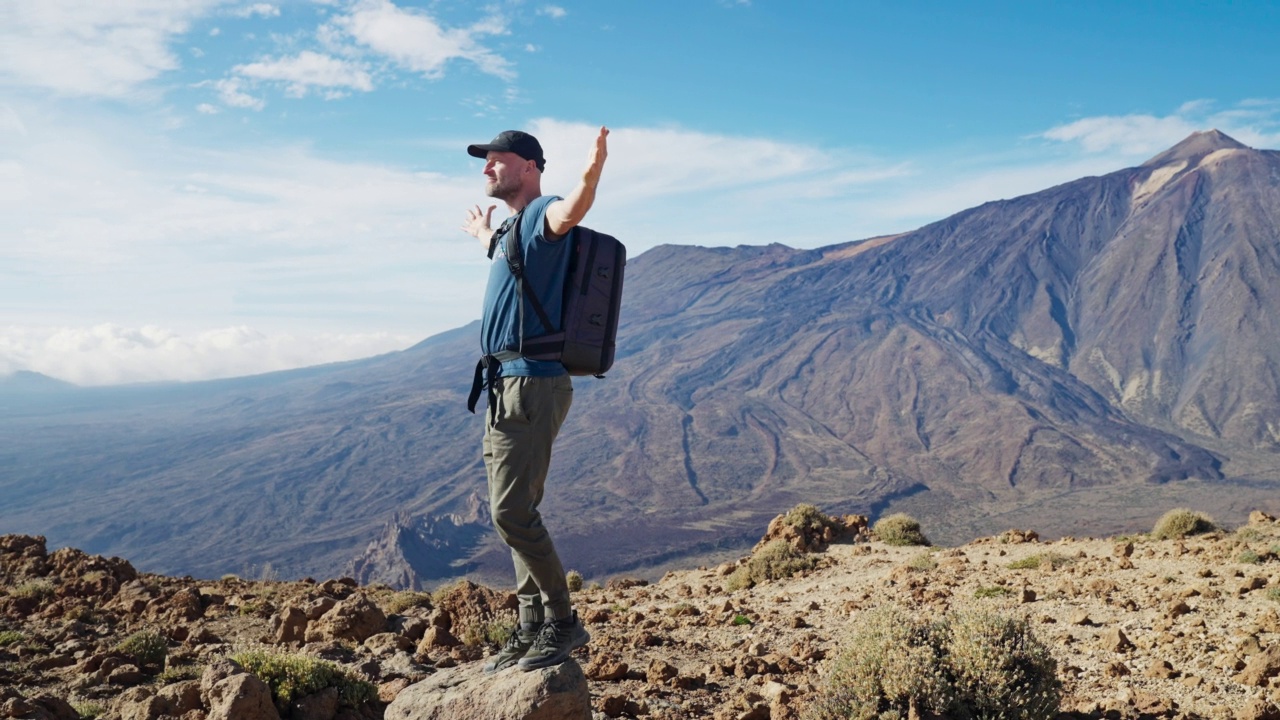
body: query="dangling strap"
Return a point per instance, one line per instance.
(486, 371)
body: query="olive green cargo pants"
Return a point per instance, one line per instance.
(519, 432)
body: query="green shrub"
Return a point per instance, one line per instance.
(1273, 594)
(292, 677)
(990, 591)
(1050, 561)
(1181, 522)
(10, 637)
(776, 560)
(741, 620)
(147, 647)
(899, 529)
(1249, 557)
(971, 664)
(574, 579)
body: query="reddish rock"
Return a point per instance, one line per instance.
(1261, 667)
(606, 669)
(289, 625)
(354, 619)
(241, 697)
(437, 637)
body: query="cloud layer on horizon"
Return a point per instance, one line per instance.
(111, 355)
(285, 241)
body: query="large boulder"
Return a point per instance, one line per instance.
(468, 693)
(356, 619)
(241, 697)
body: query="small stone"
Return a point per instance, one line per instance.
(1116, 641)
(1115, 668)
(606, 669)
(437, 637)
(661, 671)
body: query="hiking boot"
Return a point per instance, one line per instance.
(512, 650)
(555, 641)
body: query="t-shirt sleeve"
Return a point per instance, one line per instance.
(534, 227)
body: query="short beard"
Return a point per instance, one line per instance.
(505, 193)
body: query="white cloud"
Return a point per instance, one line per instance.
(1255, 122)
(1129, 134)
(90, 47)
(206, 109)
(261, 9)
(673, 162)
(230, 93)
(414, 41)
(108, 354)
(552, 11)
(307, 70)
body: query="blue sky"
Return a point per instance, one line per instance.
(206, 188)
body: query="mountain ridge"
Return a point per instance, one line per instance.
(1086, 351)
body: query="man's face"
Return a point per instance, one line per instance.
(505, 172)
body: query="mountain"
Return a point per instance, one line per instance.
(1079, 360)
(25, 382)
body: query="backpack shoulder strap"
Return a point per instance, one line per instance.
(515, 261)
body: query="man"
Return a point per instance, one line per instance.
(528, 399)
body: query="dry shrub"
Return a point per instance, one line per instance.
(809, 519)
(890, 667)
(1181, 522)
(922, 561)
(1041, 561)
(774, 561)
(406, 600)
(574, 579)
(477, 632)
(1000, 669)
(899, 529)
(971, 664)
(146, 647)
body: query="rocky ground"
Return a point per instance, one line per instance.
(1181, 628)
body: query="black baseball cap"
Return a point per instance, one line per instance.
(515, 141)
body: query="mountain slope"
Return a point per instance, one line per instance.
(1076, 359)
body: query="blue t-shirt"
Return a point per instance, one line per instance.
(546, 264)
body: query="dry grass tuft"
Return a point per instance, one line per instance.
(1180, 523)
(899, 529)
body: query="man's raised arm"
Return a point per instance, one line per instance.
(564, 215)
